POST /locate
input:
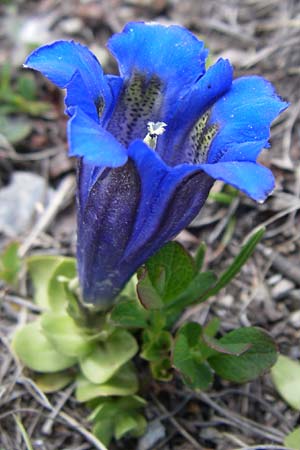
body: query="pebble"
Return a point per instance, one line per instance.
(71, 26)
(155, 432)
(282, 288)
(19, 200)
(294, 319)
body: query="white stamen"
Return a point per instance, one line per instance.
(155, 129)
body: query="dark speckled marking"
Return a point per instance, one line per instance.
(200, 139)
(138, 104)
(100, 105)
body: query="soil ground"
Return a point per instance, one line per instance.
(259, 37)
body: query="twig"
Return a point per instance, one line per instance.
(47, 427)
(264, 447)
(267, 406)
(65, 189)
(42, 399)
(272, 219)
(224, 221)
(177, 425)
(22, 302)
(275, 435)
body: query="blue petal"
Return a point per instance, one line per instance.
(170, 199)
(171, 53)
(73, 66)
(174, 145)
(249, 177)
(130, 212)
(244, 116)
(89, 140)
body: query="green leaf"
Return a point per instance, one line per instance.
(109, 407)
(156, 345)
(259, 358)
(65, 336)
(141, 426)
(53, 382)
(129, 313)
(42, 270)
(200, 255)
(212, 327)
(187, 357)
(36, 352)
(211, 347)
(236, 265)
(121, 413)
(292, 440)
(161, 369)
(286, 377)
(193, 292)
(165, 276)
(10, 264)
(124, 423)
(147, 293)
(15, 129)
(106, 359)
(27, 87)
(104, 431)
(56, 289)
(124, 382)
(129, 290)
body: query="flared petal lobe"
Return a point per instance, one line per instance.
(172, 54)
(89, 140)
(73, 66)
(244, 116)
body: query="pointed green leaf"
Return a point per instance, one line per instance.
(200, 255)
(105, 360)
(10, 264)
(286, 377)
(36, 352)
(292, 440)
(104, 431)
(53, 382)
(124, 423)
(124, 382)
(187, 357)
(65, 336)
(141, 426)
(260, 357)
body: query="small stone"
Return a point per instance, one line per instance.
(71, 26)
(226, 300)
(295, 294)
(281, 289)
(155, 432)
(19, 200)
(294, 319)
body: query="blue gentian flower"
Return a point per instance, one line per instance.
(151, 141)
